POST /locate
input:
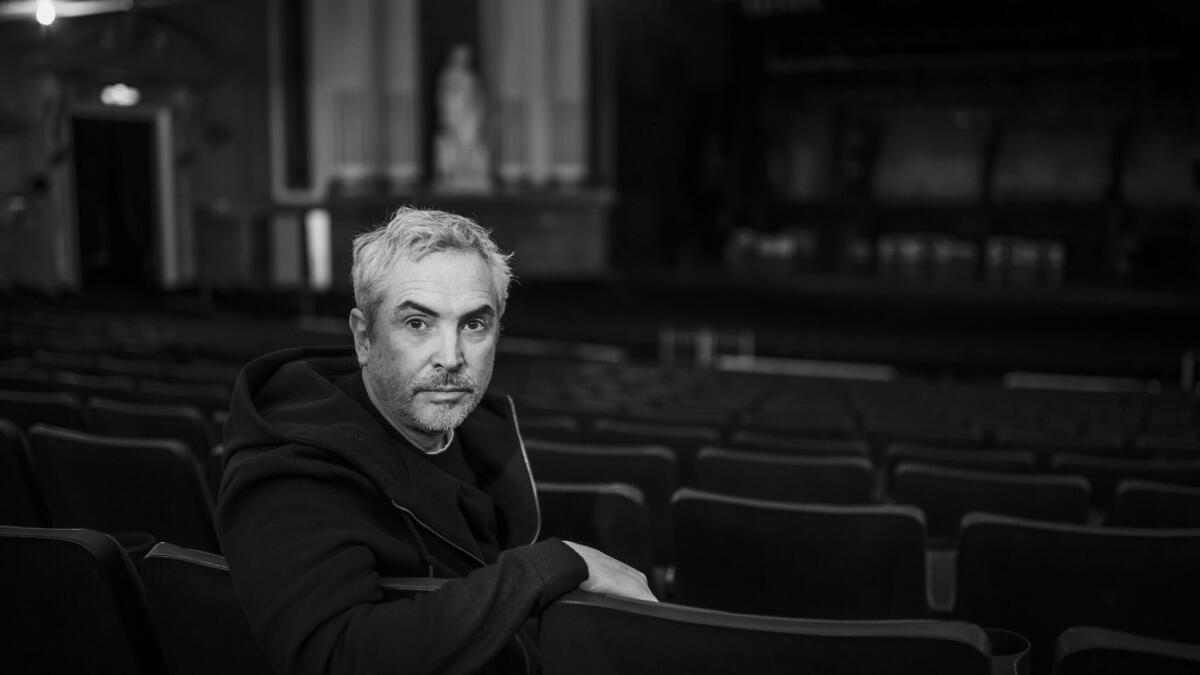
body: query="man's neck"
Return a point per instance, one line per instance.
(430, 443)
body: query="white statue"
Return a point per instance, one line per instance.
(461, 151)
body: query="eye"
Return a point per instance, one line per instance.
(475, 325)
(416, 324)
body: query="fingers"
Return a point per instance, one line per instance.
(610, 576)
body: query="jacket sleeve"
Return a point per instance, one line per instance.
(308, 582)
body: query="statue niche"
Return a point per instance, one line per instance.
(460, 149)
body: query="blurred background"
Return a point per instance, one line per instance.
(949, 189)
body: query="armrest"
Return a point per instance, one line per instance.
(405, 587)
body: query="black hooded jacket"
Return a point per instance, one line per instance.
(318, 502)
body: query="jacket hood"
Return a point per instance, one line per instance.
(290, 397)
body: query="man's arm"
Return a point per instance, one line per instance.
(309, 583)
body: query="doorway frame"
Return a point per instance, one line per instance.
(167, 253)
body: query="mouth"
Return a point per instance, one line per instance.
(445, 395)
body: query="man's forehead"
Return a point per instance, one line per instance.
(443, 277)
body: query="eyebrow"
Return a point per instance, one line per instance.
(479, 312)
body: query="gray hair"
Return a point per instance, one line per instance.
(412, 234)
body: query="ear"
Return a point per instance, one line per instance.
(362, 336)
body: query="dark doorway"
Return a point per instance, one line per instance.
(115, 196)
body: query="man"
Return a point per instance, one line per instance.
(393, 461)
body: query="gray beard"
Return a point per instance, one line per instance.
(400, 402)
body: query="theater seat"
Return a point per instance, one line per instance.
(143, 420)
(945, 495)
(1086, 650)
(1142, 503)
(586, 634)
(757, 441)
(685, 440)
(1104, 473)
(73, 603)
(26, 409)
(20, 496)
(116, 484)
(651, 469)
(1039, 578)
(201, 625)
(1009, 461)
(787, 559)
(611, 517)
(209, 398)
(826, 480)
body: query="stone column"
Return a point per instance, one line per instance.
(537, 51)
(345, 123)
(569, 84)
(400, 112)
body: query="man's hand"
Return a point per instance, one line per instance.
(610, 576)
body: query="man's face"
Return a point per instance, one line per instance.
(428, 359)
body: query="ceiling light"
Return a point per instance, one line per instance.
(45, 13)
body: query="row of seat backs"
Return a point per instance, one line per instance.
(118, 485)
(836, 561)
(113, 417)
(944, 494)
(82, 607)
(158, 367)
(61, 401)
(1033, 577)
(694, 427)
(1105, 470)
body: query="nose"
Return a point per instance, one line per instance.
(449, 354)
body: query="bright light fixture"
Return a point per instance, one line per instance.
(120, 94)
(45, 12)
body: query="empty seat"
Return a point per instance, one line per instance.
(611, 517)
(117, 485)
(201, 625)
(138, 368)
(587, 634)
(26, 409)
(73, 603)
(945, 495)
(797, 445)
(685, 440)
(145, 420)
(1141, 503)
(1010, 461)
(1167, 447)
(221, 373)
(827, 480)
(1104, 473)
(803, 424)
(24, 378)
(1048, 442)
(680, 414)
(547, 405)
(885, 432)
(651, 469)
(549, 427)
(1086, 650)
(838, 562)
(209, 398)
(78, 362)
(88, 384)
(20, 497)
(1039, 578)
